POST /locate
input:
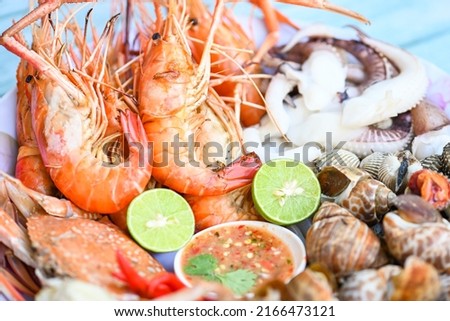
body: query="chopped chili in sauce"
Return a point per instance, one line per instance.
(244, 247)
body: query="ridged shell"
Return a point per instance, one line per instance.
(433, 162)
(373, 162)
(396, 169)
(354, 189)
(339, 157)
(368, 285)
(419, 281)
(446, 160)
(340, 242)
(388, 136)
(429, 241)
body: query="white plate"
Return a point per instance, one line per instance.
(438, 92)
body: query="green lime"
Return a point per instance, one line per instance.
(285, 191)
(160, 220)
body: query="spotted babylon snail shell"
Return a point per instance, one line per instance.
(368, 285)
(416, 228)
(355, 190)
(341, 242)
(418, 281)
(311, 285)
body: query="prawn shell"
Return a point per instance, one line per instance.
(86, 250)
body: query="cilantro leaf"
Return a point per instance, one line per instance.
(239, 281)
(202, 265)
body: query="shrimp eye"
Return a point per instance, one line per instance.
(29, 79)
(194, 21)
(156, 36)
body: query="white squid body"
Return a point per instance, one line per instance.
(318, 111)
(390, 97)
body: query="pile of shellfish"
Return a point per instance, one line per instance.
(382, 230)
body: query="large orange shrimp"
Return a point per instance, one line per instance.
(69, 121)
(183, 118)
(233, 60)
(29, 167)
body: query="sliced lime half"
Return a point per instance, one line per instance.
(160, 220)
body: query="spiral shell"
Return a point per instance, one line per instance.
(368, 285)
(354, 189)
(337, 157)
(341, 242)
(419, 281)
(429, 239)
(311, 285)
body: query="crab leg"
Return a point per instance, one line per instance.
(15, 238)
(8, 289)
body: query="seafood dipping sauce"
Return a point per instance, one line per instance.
(244, 247)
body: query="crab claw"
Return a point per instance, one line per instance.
(431, 186)
(160, 284)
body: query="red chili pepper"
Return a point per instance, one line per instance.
(160, 284)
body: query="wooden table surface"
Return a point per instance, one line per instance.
(422, 27)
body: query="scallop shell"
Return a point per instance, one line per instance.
(429, 241)
(419, 281)
(388, 136)
(340, 242)
(354, 189)
(337, 157)
(368, 285)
